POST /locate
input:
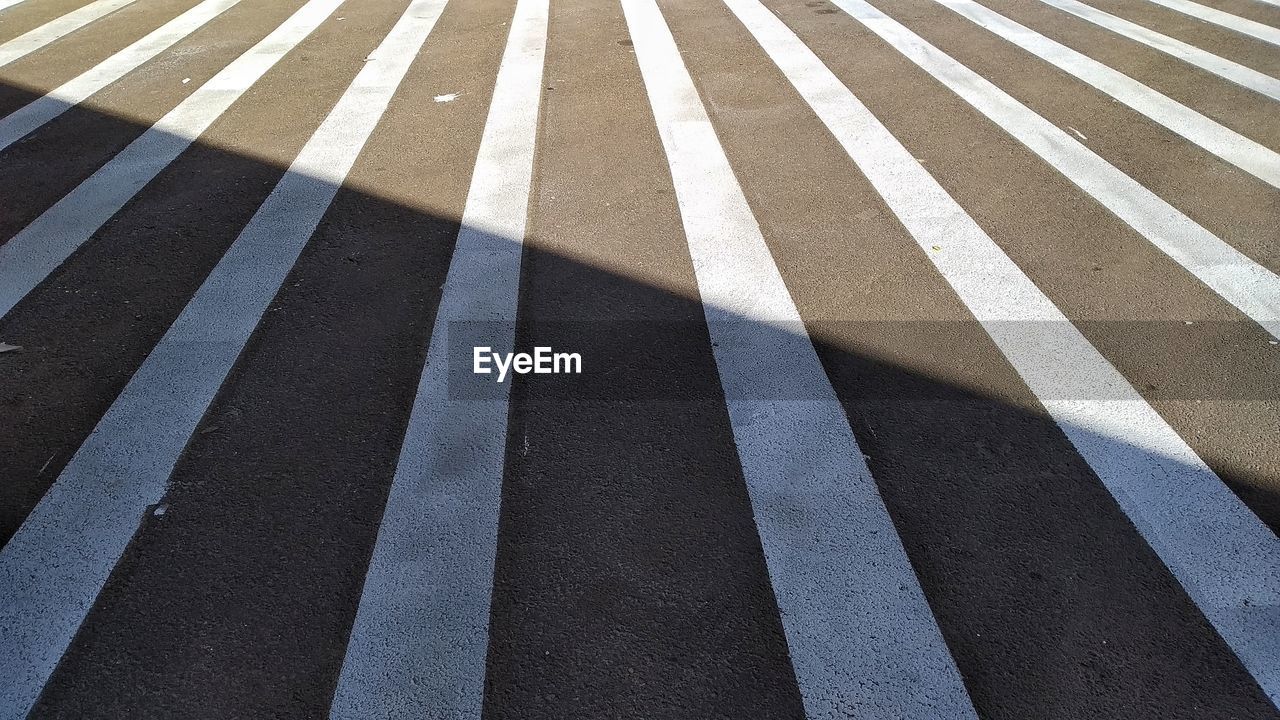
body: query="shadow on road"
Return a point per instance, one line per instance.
(238, 600)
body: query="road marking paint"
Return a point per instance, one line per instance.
(1265, 33)
(1250, 287)
(421, 633)
(1207, 61)
(5, 4)
(862, 638)
(1225, 557)
(38, 249)
(53, 568)
(71, 93)
(1253, 158)
(57, 28)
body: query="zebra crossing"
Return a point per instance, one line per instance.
(930, 357)
(1226, 20)
(22, 122)
(57, 29)
(425, 601)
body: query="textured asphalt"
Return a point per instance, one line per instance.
(629, 578)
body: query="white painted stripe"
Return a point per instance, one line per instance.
(863, 641)
(418, 645)
(4, 4)
(1235, 72)
(1228, 561)
(28, 258)
(56, 29)
(1253, 158)
(1266, 33)
(55, 565)
(40, 111)
(1252, 288)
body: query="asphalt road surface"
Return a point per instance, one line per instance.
(918, 359)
